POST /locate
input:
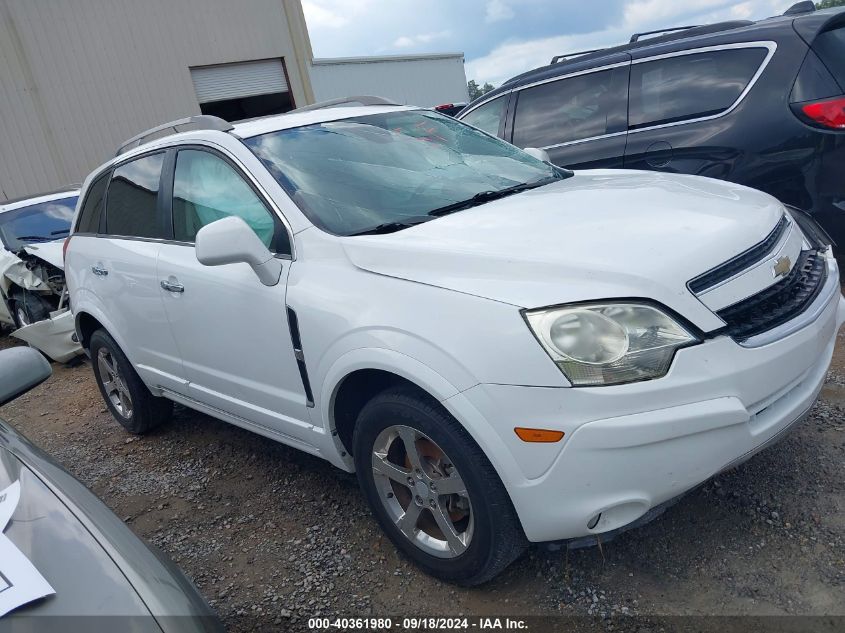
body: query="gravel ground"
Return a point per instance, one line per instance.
(273, 536)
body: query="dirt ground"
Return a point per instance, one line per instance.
(272, 536)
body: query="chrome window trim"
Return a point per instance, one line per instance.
(584, 140)
(586, 71)
(156, 240)
(770, 45)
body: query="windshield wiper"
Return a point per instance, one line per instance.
(34, 238)
(392, 227)
(486, 196)
(60, 232)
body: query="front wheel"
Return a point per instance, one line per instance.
(433, 490)
(29, 308)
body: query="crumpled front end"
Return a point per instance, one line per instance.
(31, 273)
(55, 336)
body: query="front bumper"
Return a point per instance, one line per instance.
(622, 456)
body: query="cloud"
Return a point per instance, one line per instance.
(497, 11)
(406, 41)
(317, 16)
(515, 57)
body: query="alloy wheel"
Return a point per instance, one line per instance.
(422, 491)
(113, 384)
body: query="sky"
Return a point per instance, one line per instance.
(502, 38)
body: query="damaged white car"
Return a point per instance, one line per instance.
(32, 278)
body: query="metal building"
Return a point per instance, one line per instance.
(423, 80)
(79, 77)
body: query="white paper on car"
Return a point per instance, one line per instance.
(20, 582)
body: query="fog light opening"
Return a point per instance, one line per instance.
(594, 521)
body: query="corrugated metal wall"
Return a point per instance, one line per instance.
(424, 80)
(79, 77)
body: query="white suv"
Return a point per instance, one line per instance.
(504, 351)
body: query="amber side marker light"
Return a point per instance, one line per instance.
(538, 435)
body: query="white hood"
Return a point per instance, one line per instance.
(598, 235)
(50, 252)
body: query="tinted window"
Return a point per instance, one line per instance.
(360, 173)
(131, 202)
(831, 48)
(689, 86)
(42, 222)
(92, 209)
(487, 117)
(206, 188)
(564, 110)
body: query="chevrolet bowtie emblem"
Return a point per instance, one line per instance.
(782, 267)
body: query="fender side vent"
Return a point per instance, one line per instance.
(293, 324)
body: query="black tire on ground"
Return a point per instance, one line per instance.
(29, 307)
(497, 539)
(146, 411)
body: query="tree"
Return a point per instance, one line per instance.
(475, 91)
(827, 4)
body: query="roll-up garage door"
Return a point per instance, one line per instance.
(234, 81)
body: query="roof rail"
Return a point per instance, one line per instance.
(199, 121)
(801, 7)
(360, 100)
(636, 36)
(565, 56)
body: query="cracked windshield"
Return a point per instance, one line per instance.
(384, 172)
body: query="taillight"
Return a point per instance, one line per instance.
(64, 247)
(444, 106)
(829, 113)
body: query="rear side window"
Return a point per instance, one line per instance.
(132, 199)
(487, 117)
(565, 110)
(830, 46)
(92, 208)
(690, 86)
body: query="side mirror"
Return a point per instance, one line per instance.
(231, 241)
(21, 369)
(539, 154)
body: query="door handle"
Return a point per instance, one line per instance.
(172, 286)
(101, 272)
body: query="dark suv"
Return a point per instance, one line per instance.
(757, 103)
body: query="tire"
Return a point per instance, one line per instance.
(141, 411)
(483, 543)
(29, 307)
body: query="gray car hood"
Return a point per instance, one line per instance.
(93, 561)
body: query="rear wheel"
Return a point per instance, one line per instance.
(433, 490)
(123, 391)
(29, 307)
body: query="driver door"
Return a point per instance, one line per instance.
(231, 330)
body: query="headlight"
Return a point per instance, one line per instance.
(609, 344)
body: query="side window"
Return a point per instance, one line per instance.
(690, 86)
(92, 208)
(564, 110)
(206, 188)
(131, 201)
(487, 117)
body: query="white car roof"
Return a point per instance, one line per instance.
(45, 197)
(256, 127)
